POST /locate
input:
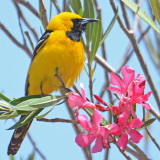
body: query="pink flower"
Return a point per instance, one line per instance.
(131, 90)
(128, 75)
(124, 129)
(75, 100)
(136, 93)
(96, 132)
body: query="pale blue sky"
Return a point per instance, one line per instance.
(56, 141)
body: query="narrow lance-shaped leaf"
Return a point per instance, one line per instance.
(156, 9)
(5, 105)
(146, 123)
(141, 13)
(89, 13)
(96, 37)
(2, 96)
(77, 6)
(109, 27)
(44, 114)
(34, 104)
(25, 119)
(21, 99)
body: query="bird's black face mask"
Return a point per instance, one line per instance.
(79, 26)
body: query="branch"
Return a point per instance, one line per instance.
(57, 120)
(15, 41)
(44, 13)
(143, 155)
(152, 138)
(29, 6)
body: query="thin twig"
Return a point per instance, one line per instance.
(44, 13)
(128, 56)
(125, 15)
(138, 150)
(152, 138)
(133, 152)
(56, 6)
(64, 5)
(15, 41)
(29, 6)
(57, 120)
(29, 38)
(35, 147)
(24, 20)
(154, 112)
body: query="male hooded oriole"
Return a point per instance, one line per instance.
(59, 48)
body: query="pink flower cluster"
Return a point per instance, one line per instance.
(130, 90)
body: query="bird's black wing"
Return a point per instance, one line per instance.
(39, 46)
(41, 43)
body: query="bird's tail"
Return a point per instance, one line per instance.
(17, 138)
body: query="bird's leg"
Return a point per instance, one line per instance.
(60, 79)
(42, 94)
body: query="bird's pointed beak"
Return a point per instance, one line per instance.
(85, 21)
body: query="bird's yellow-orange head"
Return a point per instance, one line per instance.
(63, 21)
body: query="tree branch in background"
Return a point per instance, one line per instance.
(29, 7)
(15, 41)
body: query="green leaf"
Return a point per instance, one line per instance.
(109, 27)
(43, 115)
(156, 9)
(12, 157)
(96, 37)
(36, 103)
(4, 105)
(32, 156)
(7, 115)
(89, 13)
(24, 120)
(146, 123)
(77, 6)
(141, 13)
(2, 96)
(19, 100)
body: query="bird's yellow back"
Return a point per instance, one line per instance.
(58, 51)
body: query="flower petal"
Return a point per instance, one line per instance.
(98, 145)
(83, 92)
(122, 119)
(128, 75)
(97, 118)
(135, 123)
(84, 122)
(75, 100)
(114, 89)
(115, 130)
(146, 105)
(122, 141)
(135, 136)
(116, 81)
(84, 140)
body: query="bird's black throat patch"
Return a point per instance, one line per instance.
(76, 31)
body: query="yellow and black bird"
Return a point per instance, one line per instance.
(59, 48)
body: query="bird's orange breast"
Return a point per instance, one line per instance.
(57, 52)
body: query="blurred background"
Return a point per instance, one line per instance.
(57, 140)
